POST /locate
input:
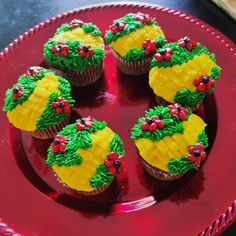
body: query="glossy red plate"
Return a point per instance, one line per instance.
(32, 202)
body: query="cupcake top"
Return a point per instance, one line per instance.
(75, 45)
(86, 155)
(40, 99)
(171, 138)
(135, 36)
(188, 68)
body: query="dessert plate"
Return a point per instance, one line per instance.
(32, 202)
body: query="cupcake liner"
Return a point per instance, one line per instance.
(95, 191)
(158, 173)
(86, 77)
(133, 67)
(161, 101)
(84, 193)
(51, 131)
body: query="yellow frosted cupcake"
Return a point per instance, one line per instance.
(87, 156)
(183, 72)
(134, 39)
(171, 141)
(39, 102)
(77, 49)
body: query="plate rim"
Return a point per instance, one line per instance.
(227, 217)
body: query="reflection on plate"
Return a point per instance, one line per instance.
(29, 184)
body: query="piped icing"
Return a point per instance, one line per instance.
(40, 88)
(170, 145)
(87, 155)
(128, 34)
(189, 70)
(76, 45)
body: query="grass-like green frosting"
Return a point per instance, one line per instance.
(28, 83)
(81, 139)
(181, 55)
(172, 124)
(135, 54)
(188, 98)
(87, 27)
(131, 25)
(103, 176)
(181, 166)
(73, 61)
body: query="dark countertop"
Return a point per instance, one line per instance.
(18, 16)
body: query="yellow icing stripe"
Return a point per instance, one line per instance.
(77, 177)
(179, 77)
(159, 153)
(136, 38)
(82, 36)
(25, 116)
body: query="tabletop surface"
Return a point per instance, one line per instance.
(18, 16)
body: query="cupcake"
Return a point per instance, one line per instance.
(183, 72)
(171, 140)
(39, 102)
(76, 49)
(86, 156)
(134, 39)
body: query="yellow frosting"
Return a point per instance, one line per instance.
(159, 153)
(77, 177)
(136, 38)
(82, 36)
(25, 115)
(166, 82)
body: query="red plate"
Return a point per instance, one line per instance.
(33, 203)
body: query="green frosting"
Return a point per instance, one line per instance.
(202, 138)
(117, 145)
(73, 61)
(76, 139)
(87, 27)
(215, 72)
(131, 25)
(188, 98)
(103, 175)
(28, 83)
(181, 55)
(180, 166)
(135, 54)
(172, 124)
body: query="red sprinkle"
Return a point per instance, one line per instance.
(61, 49)
(85, 50)
(118, 26)
(86, 122)
(204, 83)
(152, 123)
(187, 43)
(178, 110)
(197, 154)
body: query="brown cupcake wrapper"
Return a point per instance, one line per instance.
(51, 131)
(158, 173)
(133, 67)
(84, 193)
(95, 191)
(85, 77)
(163, 102)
